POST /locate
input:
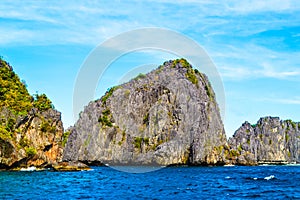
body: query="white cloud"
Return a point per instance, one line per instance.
(239, 73)
(8, 35)
(235, 73)
(93, 21)
(250, 61)
(24, 11)
(269, 71)
(286, 101)
(290, 101)
(62, 22)
(213, 23)
(247, 6)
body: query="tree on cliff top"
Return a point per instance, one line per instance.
(14, 95)
(42, 102)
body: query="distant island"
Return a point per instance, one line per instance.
(166, 117)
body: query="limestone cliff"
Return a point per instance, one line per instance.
(270, 141)
(30, 129)
(168, 116)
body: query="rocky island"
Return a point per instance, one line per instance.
(270, 141)
(166, 117)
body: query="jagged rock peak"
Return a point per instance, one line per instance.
(168, 116)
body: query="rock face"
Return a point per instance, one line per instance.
(168, 116)
(270, 141)
(36, 141)
(30, 129)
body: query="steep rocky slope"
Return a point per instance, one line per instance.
(30, 129)
(270, 141)
(168, 116)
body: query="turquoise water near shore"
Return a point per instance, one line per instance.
(261, 182)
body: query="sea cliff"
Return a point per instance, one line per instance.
(168, 116)
(31, 129)
(269, 141)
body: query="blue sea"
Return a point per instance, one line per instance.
(261, 182)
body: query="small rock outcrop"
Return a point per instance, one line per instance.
(166, 117)
(270, 141)
(31, 129)
(70, 166)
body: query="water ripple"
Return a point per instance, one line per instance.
(273, 182)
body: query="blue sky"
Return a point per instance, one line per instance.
(255, 46)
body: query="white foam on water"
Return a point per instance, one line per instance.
(29, 169)
(269, 177)
(229, 165)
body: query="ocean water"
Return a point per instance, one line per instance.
(261, 182)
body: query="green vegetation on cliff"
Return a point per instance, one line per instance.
(109, 92)
(145, 121)
(29, 126)
(14, 95)
(15, 100)
(190, 73)
(42, 102)
(65, 138)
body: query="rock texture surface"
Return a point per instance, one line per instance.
(168, 116)
(35, 142)
(270, 141)
(70, 166)
(30, 130)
